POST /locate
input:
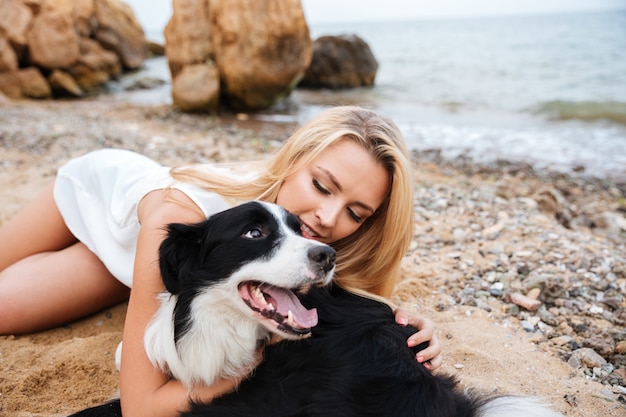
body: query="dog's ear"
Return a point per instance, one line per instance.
(179, 253)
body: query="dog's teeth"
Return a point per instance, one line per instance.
(290, 319)
(258, 294)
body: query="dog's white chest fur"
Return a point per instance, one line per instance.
(222, 344)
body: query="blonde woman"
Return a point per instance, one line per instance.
(93, 234)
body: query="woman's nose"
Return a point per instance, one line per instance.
(327, 215)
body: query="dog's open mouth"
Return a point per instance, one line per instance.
(280, 305)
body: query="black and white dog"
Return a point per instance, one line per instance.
(229, 276)
(229, 281)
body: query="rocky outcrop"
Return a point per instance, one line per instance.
(255, 51)
(196, 87)
(344, 61)
(66, 47)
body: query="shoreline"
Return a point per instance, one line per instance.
(483, 233)
(575, 143)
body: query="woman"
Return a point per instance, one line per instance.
(80, 245)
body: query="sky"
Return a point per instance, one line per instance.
(154, 14)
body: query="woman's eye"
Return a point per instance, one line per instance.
(320, 188)
(355, 216)
(253, 234)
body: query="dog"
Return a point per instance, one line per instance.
(351, 361)
(230, 282)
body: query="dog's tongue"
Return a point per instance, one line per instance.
(285, 300)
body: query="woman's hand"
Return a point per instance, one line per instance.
(431, 356)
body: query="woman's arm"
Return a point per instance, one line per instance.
(144, 389)
(431, 356)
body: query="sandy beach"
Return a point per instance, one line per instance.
(482, 234)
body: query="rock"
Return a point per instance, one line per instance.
(600, 342)
(196, 88)
(552, 201)
(4, 100)
(95, 66)
(606, 395)
(460, 235)
(33, 84)
(10, 84)
(187, 35)
(8, 57)
(534, 293)
(15, 19)
(52, 40)
(620, 375)
(262, 49)
(528, 303)
(585, 357)
(528, 326)
(63, 84)
(155, 48)
(492, 232)
(26, 82)
(539, 281)
(91, 40)
(561, 340)
(344, 61)
(510, 309)
(84, 17)
(143, 83)
(546, 329)
(608, 223)
(119, 31)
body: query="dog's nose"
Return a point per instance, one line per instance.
(324, 256)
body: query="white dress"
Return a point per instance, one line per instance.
(98, 194)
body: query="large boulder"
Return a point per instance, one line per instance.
(344, 61)
(261, 48)
(187, 35)
(73, 46)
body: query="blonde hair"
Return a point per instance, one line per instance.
(369, 259)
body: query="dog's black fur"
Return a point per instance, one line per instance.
(356, 363)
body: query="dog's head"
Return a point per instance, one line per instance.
(254, 255)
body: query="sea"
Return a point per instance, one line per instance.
(547, 90)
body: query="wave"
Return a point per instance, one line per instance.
(614, 111)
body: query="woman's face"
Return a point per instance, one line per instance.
(335, 192)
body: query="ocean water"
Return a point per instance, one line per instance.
(549, 90)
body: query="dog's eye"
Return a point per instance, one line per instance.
(255, 233)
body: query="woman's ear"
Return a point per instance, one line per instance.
(179, 254)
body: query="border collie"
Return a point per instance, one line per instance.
(229, 282)
(235, 267)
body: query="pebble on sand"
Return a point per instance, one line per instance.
(528, 303)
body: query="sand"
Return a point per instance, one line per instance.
(57, 372)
